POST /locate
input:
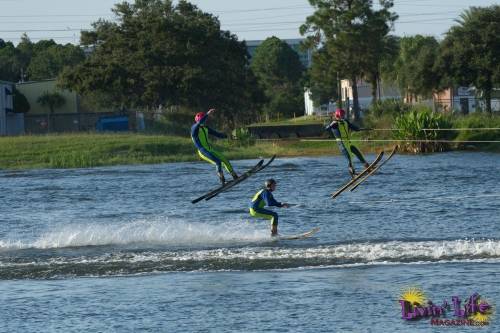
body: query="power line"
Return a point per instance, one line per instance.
(44, 38)
(235, 25)
(444, 129)
(262, 9)
(43, 30)
(406, 140)
(57, 15)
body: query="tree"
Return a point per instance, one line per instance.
(383, 52)
(30, 61)
(279, 72)
(10, 68)
(52, 101)
(414, 68)
(470, 52)
(21, 104)
(160, 54)
(24, 54)
(349, 29)
(50, 59)
(323, 78)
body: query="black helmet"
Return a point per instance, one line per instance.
(269, 182)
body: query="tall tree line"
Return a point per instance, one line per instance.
(158, 52)
(30, 61)
(351, 40)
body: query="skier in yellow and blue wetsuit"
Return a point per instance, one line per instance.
(341, 127)
(265, 198)
(199, 135)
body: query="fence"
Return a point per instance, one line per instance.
(70, 122)
(465, 104)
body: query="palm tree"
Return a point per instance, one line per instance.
(52, 100)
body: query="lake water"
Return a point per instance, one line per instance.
(122, 249)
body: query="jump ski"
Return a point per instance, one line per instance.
(213, 193)
(359, 176)
(297, 236)
(374, 170)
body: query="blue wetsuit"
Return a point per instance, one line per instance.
(199, 135)
(340, 130)
(265, 198)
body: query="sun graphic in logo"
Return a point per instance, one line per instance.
(413, 295)
(484, 317)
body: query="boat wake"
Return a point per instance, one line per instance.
(152, 247)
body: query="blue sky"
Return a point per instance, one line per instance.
(256, 19)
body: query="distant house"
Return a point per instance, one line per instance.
(311, 109)
(33, 90)
(384, 91)
(464, 100)
(11, 123)
(72, 116)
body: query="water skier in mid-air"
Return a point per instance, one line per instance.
(199, 135)
(341, 128)
(265, 198)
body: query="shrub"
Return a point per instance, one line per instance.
(411, 127)
(476, 121)
(390, 107)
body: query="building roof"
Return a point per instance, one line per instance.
(288, 41)
(34, 82)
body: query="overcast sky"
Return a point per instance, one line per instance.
(62, 20)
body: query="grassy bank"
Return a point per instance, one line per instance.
(302, 120)
(90, 150)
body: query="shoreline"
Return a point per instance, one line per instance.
(88, 150)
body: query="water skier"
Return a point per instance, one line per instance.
(341, 127)
(199, 135)
(265, 198)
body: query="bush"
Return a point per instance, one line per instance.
(411, 127)
(476, 121)
(382, 114)
(242, 137)
(170, 123)
(388, 107)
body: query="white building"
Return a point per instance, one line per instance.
(311, 110)
(384, 91)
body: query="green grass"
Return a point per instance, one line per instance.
(477, 121)
(303, 120)
(91, 150)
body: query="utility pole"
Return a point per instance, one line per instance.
(339, 92)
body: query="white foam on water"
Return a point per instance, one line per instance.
(238, 240)
(360, 252)
(157, 232)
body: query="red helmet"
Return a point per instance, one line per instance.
(339, 113)
(198, 116)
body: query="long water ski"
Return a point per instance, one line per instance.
(298, 236)
(226, 185)
(244, 176)
(374, 170)
(364, 172)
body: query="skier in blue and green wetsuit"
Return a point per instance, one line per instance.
(265, 198)
(341, 127)
(199, 135)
